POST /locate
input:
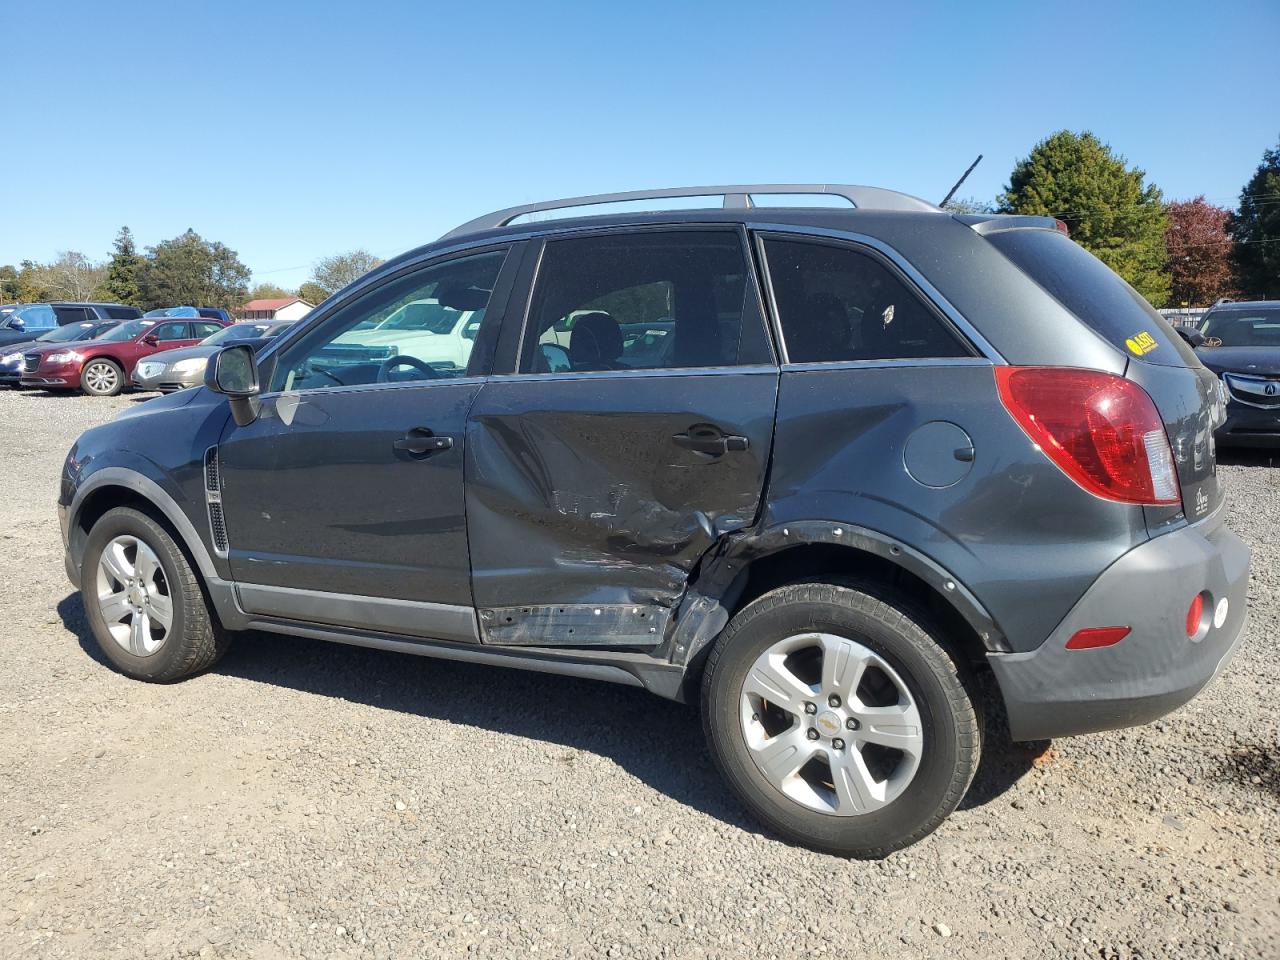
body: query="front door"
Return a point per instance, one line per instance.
(634, 432)
(343, 500)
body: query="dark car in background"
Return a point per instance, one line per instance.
(103, 366)
(11, 356)
(1240, 342)
(214, 313)
(183, 368)
(812, 468)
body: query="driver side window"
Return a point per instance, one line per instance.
(419, 327)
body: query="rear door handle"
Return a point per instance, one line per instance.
(708, 438)
(420, 441)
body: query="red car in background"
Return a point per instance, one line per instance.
(103, 367)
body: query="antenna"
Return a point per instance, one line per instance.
(965, 176)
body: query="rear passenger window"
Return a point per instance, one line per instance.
(123, 313)
(203, 330)
(837, 303)
(73, 315)
(644, 301)
(171, 331)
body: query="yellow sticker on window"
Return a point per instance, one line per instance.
(1141, 343)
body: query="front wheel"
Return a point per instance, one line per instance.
(102, 378)
(839, 720)
(143, 601)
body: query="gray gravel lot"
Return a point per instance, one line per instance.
(306, 799)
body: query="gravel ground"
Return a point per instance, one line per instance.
(306, 799)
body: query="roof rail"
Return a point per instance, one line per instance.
(736, 197)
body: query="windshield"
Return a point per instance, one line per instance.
(127, 331)
(72, 331)
(428, 315)
(240, 331)
(1242, 328)
(173, 312)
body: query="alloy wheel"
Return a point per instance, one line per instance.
(134, 596)
(831, 724)
(100, 377)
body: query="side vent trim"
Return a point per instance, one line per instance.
(213, 500)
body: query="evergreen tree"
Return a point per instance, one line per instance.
(1109, 209)
(121, 285)
(190, 270)
(1255, 228)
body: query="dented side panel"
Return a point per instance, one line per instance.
(578, 493)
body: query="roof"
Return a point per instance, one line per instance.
(278, 304)
(1246, 305)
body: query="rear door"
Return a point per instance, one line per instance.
(634, 431)
(1160, 361)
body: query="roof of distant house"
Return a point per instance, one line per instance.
(273, 304)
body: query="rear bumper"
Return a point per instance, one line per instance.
(1056, 692)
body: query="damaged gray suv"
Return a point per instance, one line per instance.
(812, 467)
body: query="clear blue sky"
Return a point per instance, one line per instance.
(290, 131)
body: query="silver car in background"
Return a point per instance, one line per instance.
(178, 369)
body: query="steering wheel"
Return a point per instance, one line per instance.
(389, 364)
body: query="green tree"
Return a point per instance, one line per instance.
(333, 273)
(968, 205)
(1255, 228)
(193, 271)
(121, 284)
(313, 293)
(1108, 207)
(268, 291)
(8, 283)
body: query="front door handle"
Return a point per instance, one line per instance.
(708, 438)
(421, 442)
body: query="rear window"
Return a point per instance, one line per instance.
(1095, 293)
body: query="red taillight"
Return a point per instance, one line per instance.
(1195, 614)
(1103, 431)
(1061, 227)
(1092, 637)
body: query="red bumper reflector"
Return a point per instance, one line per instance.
(1091, 637)
(1195, 613)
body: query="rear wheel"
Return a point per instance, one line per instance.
(144, 602)
(839, 719)
(102, 378)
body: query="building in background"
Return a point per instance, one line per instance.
(286, 308)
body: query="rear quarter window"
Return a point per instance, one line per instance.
(1095, 293)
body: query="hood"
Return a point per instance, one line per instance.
(9, 337)
(1259, 361)
(22, 346)
(382, 338)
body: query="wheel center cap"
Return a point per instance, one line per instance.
(829, 723)
(135, 596)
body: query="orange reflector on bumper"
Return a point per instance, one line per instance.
(1092, 637)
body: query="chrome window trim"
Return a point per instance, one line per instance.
(923, 286)
(351, 388)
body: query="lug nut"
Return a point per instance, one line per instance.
(837, 743)
(810, 708)
(833, 701)
(813, 734)
(852, 723)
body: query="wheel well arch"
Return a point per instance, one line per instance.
(123, 487)
(828, 562)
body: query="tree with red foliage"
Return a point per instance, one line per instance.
(1199, 253)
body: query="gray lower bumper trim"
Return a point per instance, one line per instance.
(1054, 692)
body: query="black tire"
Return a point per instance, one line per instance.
(195, 640)
(87, 383)
(894, 630)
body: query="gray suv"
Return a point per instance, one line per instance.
(813, 468)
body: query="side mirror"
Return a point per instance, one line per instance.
(1193, 337)
(151, 340)
(233, 372)
(17, 323)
